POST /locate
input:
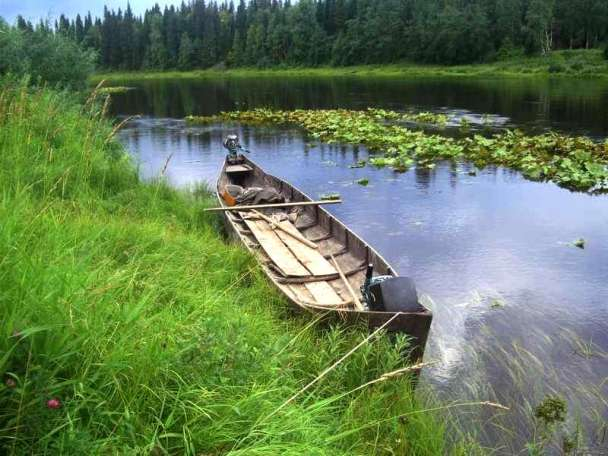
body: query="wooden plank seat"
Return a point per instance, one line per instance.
(235, 169)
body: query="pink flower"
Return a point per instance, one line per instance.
(53, 403)
(10, 383)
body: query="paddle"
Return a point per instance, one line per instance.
(271, 206)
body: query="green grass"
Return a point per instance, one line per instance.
(575, 64)
(121, 300)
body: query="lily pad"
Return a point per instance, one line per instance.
(330, 196)
(359, 164)
(497, 303)
(574, 162)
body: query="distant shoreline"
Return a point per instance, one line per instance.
(588, 64)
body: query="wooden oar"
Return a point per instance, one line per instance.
(271, 206)
(297, 236)
(358, 304)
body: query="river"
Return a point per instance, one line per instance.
(520, 312)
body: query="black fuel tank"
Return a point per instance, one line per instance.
(395, 295)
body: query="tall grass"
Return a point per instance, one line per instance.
(120, 300)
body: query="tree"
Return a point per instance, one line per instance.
(46, 56)
(539, 25)
(342, 32)
(186, 53)
(308, 39)
(279, 38)
(156, 56)
(508, 26)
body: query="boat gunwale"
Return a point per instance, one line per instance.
(426, 313)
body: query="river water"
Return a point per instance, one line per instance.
(520, 313)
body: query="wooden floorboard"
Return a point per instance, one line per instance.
(274, 247)
(311, 258)
(323, 293)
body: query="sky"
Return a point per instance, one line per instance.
(49, 9)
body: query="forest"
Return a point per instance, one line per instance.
(271, 33)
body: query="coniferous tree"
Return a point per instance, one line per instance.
(204, 33)
(156, 56)
(186, 52)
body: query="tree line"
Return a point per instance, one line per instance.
(264, 33)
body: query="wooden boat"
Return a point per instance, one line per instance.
(308, 276)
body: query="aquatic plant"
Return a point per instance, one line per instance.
(552, 410)
(580, 243)
(416, 117)
(359, 164)
(331, 196)
(573, 162)
(113, 90)
(465, 125)
(550, 414)
(364, 182)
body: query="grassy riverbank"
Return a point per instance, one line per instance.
(578, 63)
(130, 326)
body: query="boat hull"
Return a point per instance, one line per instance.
(415, 325)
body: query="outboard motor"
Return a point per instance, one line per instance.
(390, 294)
(234, 147)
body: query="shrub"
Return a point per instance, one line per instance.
(508, 51)
(577, 65)
(606, 52)
(46, 56)
(556, 68)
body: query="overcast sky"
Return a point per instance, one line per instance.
(37, 9)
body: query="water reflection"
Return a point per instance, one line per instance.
(516, 306)
(533, 104)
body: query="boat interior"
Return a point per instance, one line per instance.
(309, 254)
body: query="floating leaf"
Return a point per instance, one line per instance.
(580, 243)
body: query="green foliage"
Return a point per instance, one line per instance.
(538, 26)
(341, 32)
(113, 90)
(120, 300)
(552, 410)
(45, 56)
(594, 66)
(580, 243)
(156, 54)
(556, 68)
(186, 52)
(573, 162)
(332, 196)
(550, 414)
